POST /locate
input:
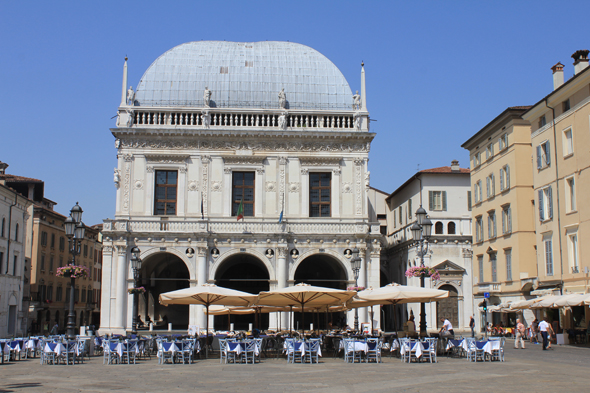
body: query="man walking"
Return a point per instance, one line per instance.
(519, 334)
(543, 328)
(472, 326)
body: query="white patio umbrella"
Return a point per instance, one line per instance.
(572, 300)
(398, 294)
(524, 304)
(207, 295)
(546, 302)
(304, 295)
(395, 293)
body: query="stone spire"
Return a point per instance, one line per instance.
(124, 91)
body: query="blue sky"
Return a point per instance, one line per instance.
(437, 72)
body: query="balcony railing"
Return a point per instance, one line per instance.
(230, 226)
(216, 118)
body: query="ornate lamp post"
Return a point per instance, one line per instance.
(75, 230)
(136, 266)
(355, 263)
(421, 231)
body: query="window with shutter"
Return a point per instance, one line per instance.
(549, 202)
(541, 210)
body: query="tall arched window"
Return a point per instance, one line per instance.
(451, 228)
(16, 233)
(438, 228)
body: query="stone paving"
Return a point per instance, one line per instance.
(528, 370)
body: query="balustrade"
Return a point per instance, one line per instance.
(222, 119)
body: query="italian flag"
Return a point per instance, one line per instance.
(241, 210)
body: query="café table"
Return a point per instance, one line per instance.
(416, 347)
(53, 351)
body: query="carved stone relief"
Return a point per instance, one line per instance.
(216, 144)
(271, 186)
(193, 185)
(216, 186)
(294, 187)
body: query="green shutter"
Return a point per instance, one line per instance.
(444, 201)
(431, 200)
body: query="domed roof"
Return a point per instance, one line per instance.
(244, 75)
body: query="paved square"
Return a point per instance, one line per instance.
(564, 368)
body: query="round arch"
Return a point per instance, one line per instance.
(448, 307)
(256, 254)
(163, 271)
(156, 250)
(244, 272)
(342, 261)
(457, 288)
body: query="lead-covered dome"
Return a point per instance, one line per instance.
(244, 75)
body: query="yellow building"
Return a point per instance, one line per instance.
(50, 294)
(561, 178)
(503, 216)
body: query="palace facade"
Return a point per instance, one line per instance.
(243, 165)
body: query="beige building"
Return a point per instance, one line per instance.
(503, 213)
(561, 178)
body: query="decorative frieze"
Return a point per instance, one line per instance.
(243, 160)
(224, 145)
(320, 161)
(166, 158)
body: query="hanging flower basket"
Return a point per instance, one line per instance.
(417, 271)
(358, 289)
(72, 271)
(139, 290)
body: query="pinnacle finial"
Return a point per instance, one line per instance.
(362, 63)
(126, 58)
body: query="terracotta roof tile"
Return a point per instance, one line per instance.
(19, 179)
(445, 169)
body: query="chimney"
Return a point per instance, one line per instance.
(3, 167)
(557, 75)
(580, 60)
(455, 166)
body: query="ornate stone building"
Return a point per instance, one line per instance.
(216, 130)
(444, 193)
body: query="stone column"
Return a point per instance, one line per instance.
(107, 293)
(362, 282)
(282, 275)
(201, 279)
(122, 295)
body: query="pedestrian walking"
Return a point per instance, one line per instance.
(54, 329)
(550, 335)
(544, 329)
(520, 333)
(534, 331)
(472, 326)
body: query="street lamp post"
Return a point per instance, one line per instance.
(421, 231)
(136, 266)
(355, 263)
(75, 230)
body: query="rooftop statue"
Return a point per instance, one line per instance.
(206, 118)
(357, 101)
(283, 121)
(357, 121)
(207, 97)
(130, 96)
(282, 99)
